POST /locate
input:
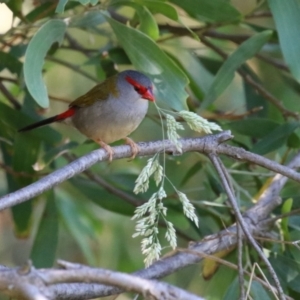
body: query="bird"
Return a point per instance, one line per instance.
(110, 111)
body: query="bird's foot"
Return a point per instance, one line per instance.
(108, 149)
(134, 147)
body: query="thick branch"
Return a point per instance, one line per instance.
(207, 144)
(255, 219)
(35, 284)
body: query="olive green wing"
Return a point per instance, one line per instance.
(100, 92)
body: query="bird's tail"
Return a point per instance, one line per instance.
(69, 113)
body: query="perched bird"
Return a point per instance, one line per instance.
(110, 111)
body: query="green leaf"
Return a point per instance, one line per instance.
(119, 56)
(275, 139)
(148, 24)
(191, 172)
(146, 56)
(16, 7)
(286, 208)
(61, 6)
(258, 291)
(53, 154)
(25, 152)
(45, 242)
(10, 62)
(12, 120)
(89, 19)
(226, 73)
(39, 12)
(293, 141)
(208, 10)
(53, 31)
(192, 66)
(233, 290)
(80, 222)
(288, 28)
(161, 7)
(102, 197)
(254, 127)
(21, 213)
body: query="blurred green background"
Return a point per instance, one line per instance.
(232, 62)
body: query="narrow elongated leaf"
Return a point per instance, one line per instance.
(45, 242)
(61, 6)
(254, 127)
(286, 15)
(148, 24)
(146, 56)
(89, 19)
(10, 62)
(275, 139)
(39, 12)
(286, 208)
(102, 197)
(53, 31)
(208, 10)
(12, 120)
(26, 150)
(232, 291)
(258, 292)
(162, 8)
(80, 222)
(53, 154)
(226, 73)
(192, 66)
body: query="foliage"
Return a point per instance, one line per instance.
(234, 63)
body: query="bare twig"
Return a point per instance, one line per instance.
(218, 165)
(231, 266)
(9, 96)
(240, 261)
(222, 240)
(34, 284)
(73, 67)
(207, 144)
(258, 87)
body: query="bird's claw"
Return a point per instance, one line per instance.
(108, 149)
(134, 147)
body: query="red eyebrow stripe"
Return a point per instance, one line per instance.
(131, 81)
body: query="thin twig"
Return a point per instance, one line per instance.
(258, 87)
(217, 242)
(9, 96)
(239, 239)
(107, 186)
(207, 144)
(217, 164)
(73, 67)
(240, 261)
(231, 266)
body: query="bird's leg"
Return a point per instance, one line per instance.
(134, 147)
(108, 149)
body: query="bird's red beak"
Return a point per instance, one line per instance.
(148, 95)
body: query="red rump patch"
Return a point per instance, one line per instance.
(69, 113)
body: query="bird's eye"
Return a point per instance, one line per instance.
(137, 89)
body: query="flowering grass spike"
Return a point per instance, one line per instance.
(153, 210)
